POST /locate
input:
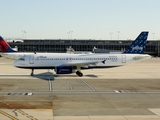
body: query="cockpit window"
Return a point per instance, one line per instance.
(22, 59)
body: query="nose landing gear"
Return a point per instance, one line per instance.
(32, 73)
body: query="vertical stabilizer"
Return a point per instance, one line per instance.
(4, 46)
(139, 44)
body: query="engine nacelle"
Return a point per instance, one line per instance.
(64, 70)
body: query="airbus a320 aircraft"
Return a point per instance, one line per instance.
(70, 63)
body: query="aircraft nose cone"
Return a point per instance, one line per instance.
(15, 63)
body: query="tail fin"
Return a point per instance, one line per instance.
(4, 47)
(139, 44)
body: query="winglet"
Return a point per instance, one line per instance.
(4, 47)
(139, 44)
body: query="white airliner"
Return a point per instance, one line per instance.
(70, 63)
(8, 52)
(65, 63)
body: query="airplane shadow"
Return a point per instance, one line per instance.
(91, 75)
(45, 76)
(51, 76)
(65, 75)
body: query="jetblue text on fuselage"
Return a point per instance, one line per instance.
(41, 56)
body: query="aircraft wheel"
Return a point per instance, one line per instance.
(32, 74)
(79, 74)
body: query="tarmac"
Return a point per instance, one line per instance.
(130, 92)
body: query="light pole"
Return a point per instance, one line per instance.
(71, 33)
(68, 34)
(118, 34)
(153, 35)
(23, 34)
(111, 35)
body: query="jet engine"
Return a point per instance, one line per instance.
(67, 70)
(64, 70)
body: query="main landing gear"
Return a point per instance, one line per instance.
(32, 73)
(79, 73)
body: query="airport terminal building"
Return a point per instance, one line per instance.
(60, 45)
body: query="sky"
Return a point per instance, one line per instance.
(79, 19)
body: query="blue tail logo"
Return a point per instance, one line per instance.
(139, 44)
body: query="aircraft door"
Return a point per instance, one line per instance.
(31, 59)
(123, 58)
